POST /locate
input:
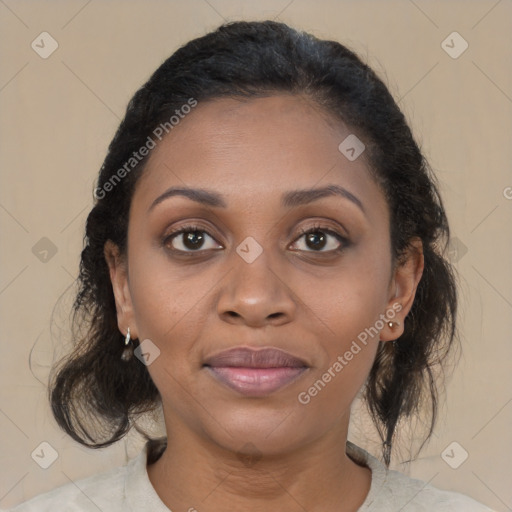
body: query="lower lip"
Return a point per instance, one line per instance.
(255, 381)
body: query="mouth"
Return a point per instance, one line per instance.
(255, 372)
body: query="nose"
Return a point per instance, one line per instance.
(256, 294)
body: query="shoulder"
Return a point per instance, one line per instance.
(103, 491)
(418, 496)
(391, 491)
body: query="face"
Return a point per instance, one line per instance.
(259, 260)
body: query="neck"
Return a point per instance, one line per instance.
(195, 473)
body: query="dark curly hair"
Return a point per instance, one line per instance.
(95, 396)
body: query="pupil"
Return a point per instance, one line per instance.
(313, 237)
(193, 239)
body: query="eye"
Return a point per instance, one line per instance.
(317, 239)
(190, 238)
(194, 238)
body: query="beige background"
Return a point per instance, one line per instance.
(59, 114)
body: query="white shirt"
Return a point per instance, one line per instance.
(128, 488)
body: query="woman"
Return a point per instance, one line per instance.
(266, 243)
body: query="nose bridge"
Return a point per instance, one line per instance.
(255, 290)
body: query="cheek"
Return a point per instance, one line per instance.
(327, 399)
(349, 311)
(167, 296)
(347, 300)
(347, 328)
(347, 316)
(169, 310)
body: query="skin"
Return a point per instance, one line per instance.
(295, 296)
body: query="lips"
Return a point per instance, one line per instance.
(250, 358)
(255, 372)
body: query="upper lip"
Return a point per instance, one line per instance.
(255, 358)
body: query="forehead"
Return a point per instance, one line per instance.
(255, 149)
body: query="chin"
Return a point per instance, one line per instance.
(257, 433)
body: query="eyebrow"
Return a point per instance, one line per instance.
(290, 199)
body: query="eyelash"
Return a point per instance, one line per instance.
(344, 242)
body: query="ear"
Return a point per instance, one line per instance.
(119, 279)
(402, 289)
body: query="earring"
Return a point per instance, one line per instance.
(393, 324)
(128, 348)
